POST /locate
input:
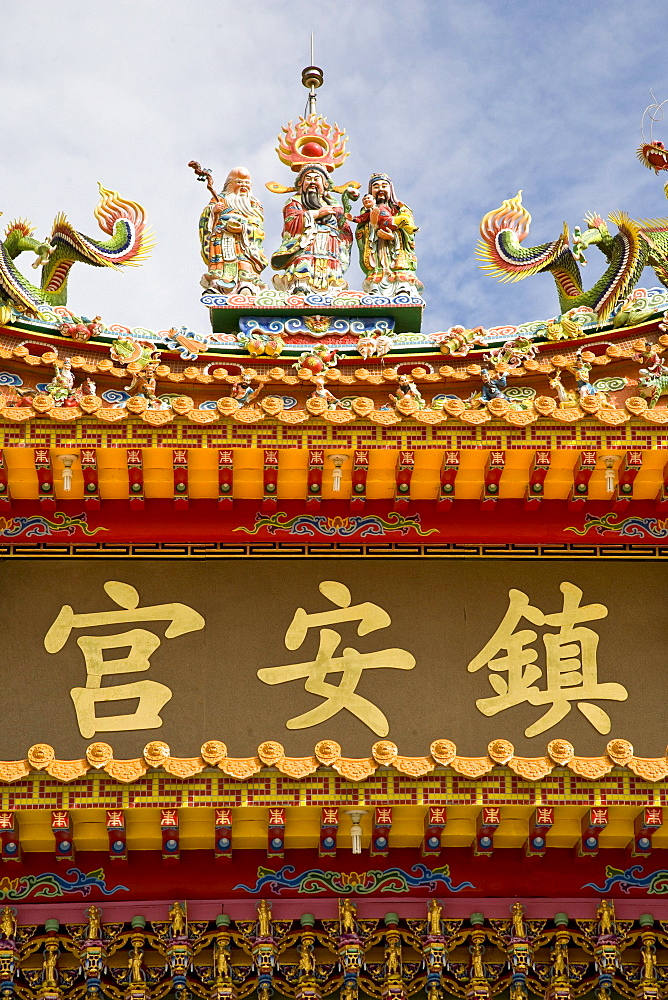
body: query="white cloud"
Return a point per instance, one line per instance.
(463, 103)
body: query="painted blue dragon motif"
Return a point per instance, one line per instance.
(315, 881)
(629, 527)
(343, 527)
(655, 883)
(51, 884)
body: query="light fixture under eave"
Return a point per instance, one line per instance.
(609, 462)
(337, 461)
(356, 829)
(68, 461)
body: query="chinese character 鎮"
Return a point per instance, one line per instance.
(571, 670)
(151, 696)
(350, 664)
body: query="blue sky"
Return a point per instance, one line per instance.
(462, 103)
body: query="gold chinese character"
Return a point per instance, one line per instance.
(571, 667)
(350, 664)
(152, 696)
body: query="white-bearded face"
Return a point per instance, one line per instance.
(242, 203)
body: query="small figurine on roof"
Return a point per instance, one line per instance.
(513, 353)
(320, 392)
(244, 393)
(144, 385)
(407, 389)
(493, 385)
(61, 385)
(580, 369)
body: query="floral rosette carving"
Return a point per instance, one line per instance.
(327, 752)
(443, 751)
(40, 756)
(561, 751)
(501, 751)
(385, 752)
(213, 751)
(270, 753)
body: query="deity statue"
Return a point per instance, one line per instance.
(493, 385)
(648, 961)
(231, 230)
(518, 920)
(222, 961)
(605, 914)
(559, 958)
(321, 392)
(435, 910)
(315, 251)
(144, 384)
(477, 968)
(177, 919)
(244, 393)
(306, 960)
(135, 965)
(62, 383)
(49, 966)
(263, 919)
(407, 389)
(385, 237)
(347, 914)
(7, 924)
(94, 931)
(393, 958)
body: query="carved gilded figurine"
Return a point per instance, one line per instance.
(518, 920)
(222, 961)
(653, 382)
(62, 383)
(129, 243)
(263, 919)
(315, 252)
(50, 964)
(306, 960)
(648, 961)
(407, 389)
(231, 230)
(7, 924)
(385, 238)
(135, 962)
(94, 930)
(393, 957)
(177, 920)
(605, 914)
(477, 967)
(435, 910)
(559, 956)
(347, 916)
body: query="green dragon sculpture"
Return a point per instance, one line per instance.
(129, 244)
(636, 245)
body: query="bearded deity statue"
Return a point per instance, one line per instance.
(385, 238)
(231, 230)
(315, 252)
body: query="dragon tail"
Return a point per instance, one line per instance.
(130, 243)
(502, 231)
(628, 257)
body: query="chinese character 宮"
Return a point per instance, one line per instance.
(350, 664)
(151, 696)
(571, 669)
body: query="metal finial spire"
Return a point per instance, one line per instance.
(312, 77)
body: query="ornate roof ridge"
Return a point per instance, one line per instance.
(327, 753)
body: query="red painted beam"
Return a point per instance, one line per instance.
(582, 473)
(225, 477)
(496, 463)
(270, 479)
(180, 471)
(629, 468)
(5, 495)
(449, 472)
(90, 478)
(536, 486)
(359, 477)
(135, 478)
(403, 475)
(316, 463)
(47, 500)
